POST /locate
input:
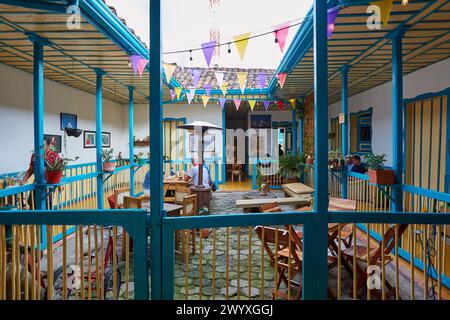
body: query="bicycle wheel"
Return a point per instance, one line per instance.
(58, 283)
(109, 284)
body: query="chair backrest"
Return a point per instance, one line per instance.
(190, 205)
(181, 193)
(389, 241)
(270, 207)
(119, 194)
(132, 202)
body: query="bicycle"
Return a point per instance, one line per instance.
(90, 279)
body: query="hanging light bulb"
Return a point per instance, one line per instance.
(229, 48)
(276, 36)
(190, 58)
(405, 2)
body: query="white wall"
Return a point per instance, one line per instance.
(433, 78)
(16, 118)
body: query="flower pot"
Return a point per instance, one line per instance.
(382, 177)
(141, 161)
(53, 177)
(109, 166)
(204, 233)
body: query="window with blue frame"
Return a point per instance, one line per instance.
(361, 131)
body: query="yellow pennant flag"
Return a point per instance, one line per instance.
(241, 42)
(178, 92)
(242, 79)
(205, 99)
(224, 88)
(385, 8)
(252, 104)
(292, 103)
(169, 69)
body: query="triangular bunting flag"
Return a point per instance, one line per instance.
(281, 79)
(241, 42)
(135, 59)
(332, 15)
(292, 101)
(222, 102)
(219, 78)
(280, 104)
(190, 95)
(205, 99)
(385, 8)
(266, 104)
(196, 77)
(237, 103)
(207, 88)
(172, 94)
(281, 33)
(252, 104)
(224, 88)
(262, 78)
(178, 91)
(141, 67)
(242, 78)
(169, 69)
(208, 50)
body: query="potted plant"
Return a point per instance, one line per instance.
(54, 170)
(108, 165)
(291, 166)
(377, 174)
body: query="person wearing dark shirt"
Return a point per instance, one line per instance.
(357, 166)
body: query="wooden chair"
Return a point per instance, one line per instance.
(189, 209)
(270, 207)
(375, 258)
(180, 194)
(236, 171)
(129, 203)
(119, 194)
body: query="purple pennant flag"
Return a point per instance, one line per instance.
(172, 94)
(196, 77)
(262, 78)
(266, 104)
(208, 50)
(332, 15)
(135, 60)
(207, 89)
(222, 102)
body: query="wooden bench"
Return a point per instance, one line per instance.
(256, 203)
(296, 189)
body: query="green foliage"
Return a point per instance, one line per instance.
(375, 162)
(107, 155)
(59, 164)
(292, 164)
(336, 161)
(299, 109)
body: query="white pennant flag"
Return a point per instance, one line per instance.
(219, 77)
(190, 95)
(169, 70)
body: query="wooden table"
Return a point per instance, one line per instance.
(296, 189)
(170, 184)
(173, 210)
(299, 200)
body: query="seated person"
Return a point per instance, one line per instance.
(357, 165)
(146, 184)
(193, 174)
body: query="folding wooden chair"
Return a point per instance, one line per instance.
(375, 258)
(270, 207)
(119, 194)
(129, 203)
(189, 209)
(181, 193)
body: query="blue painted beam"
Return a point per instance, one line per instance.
(294, 132)
(38, 96)
(37, 5)
(345, 125)
(131, 136)
(315, 266)
(156, 151)
(397, 116)
(98, 137)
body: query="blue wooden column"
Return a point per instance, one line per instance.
(98, 137)
(224, 145)
(156, 145)
(38, 96)
(315, 266)
(344, 126)
(294, 132)
(131, 136)
(397, 116)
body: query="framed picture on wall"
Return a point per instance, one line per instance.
(89, 139)
(68, 120)
(106, 139)
(55, 141)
